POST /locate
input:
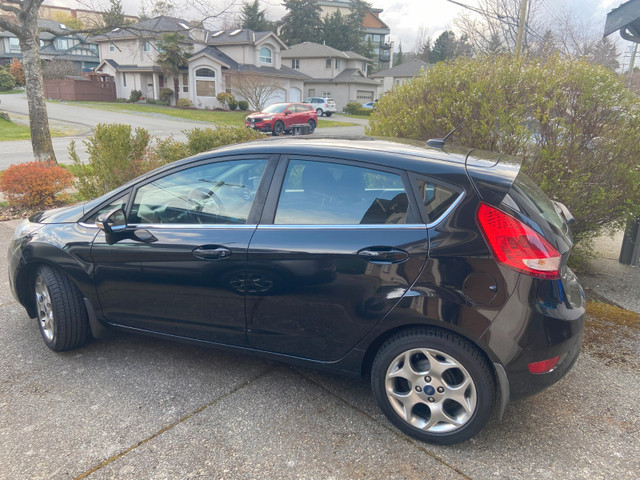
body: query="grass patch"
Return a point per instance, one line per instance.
(13, 131)
(611, 334)
(219, 118)
(8, 92)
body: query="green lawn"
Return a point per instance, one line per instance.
(219, 118)
(6, 92)
(13, 131)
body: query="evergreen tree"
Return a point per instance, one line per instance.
(335, 31)
(444, 47)
(399, 60)
(424, 53)
(254, 19)
(302, 23)
(114, 17)
(172, 56)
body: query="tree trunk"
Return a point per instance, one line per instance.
(176, 86)
(38, 118)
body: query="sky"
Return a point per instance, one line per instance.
(404, 17)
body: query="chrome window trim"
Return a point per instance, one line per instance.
(177, 226)
(446, 213)
(402, 226)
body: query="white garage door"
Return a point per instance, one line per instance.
(279, 96)
(364, 96)
(295, 95)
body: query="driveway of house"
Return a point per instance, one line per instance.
(80, 121)
(135, 407)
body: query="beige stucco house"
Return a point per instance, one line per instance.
(399, 74)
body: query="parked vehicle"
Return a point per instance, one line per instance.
(279, 118)
(440, 274)
(368, 105)
(322, 106)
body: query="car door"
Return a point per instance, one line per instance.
(176, 267)
(338, 246)
(289, 116)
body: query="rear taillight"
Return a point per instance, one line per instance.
(516, 245)
(544, 366)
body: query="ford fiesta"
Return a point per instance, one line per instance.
(439, 273)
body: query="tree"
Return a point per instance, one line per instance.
(254, 19)
(68, 20)
(335, 31)
(444, 47)
(20, 17)
(399, 56)
(302, 23)
(574, 124)
(172, 57)
(114, 17)
(256, 89)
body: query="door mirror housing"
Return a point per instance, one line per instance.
(112, 221)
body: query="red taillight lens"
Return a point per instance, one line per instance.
(544, 366)
(516, 245)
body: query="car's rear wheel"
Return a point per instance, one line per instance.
(61, 313)
(312, 126)
(433, 385)
(328, 114)
(278, 129)
(319, 112)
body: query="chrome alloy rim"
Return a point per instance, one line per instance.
(430, 390)
(45, 312)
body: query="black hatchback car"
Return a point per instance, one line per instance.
(441, 274)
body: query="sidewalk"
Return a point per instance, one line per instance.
(607, 278)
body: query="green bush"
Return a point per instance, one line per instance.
(244, 105)
(574, 123)
(7, 82)
(184, 103)
(233, 104)
(116, 155)
(122, 100)
(224, 98)
(166, 94)
(352, 107)
(151, 101)
(135, 96)
(203, 139)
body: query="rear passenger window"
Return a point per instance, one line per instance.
(321, 193)
(436, 198)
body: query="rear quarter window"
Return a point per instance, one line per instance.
(435, 198)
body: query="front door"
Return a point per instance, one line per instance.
(338, 247)
(185, 244)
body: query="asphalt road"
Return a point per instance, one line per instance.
(132, 407)
(80, 121)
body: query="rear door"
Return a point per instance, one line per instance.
(338, 245)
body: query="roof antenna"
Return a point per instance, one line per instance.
(440, 142)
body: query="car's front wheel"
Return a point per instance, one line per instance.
(278, 128)
(433, 385)
(61, 313)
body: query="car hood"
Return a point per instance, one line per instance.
(69, 214)
(258, 116)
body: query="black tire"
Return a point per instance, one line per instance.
(328, 114)
(61, 313)
(447, 394)
(278, 129)
(312, 126)
(319, 112)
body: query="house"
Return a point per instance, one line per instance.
(220, 61)
(374, 28)
(332, 73)
(76, 48)
(399, 74)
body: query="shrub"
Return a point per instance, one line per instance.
(116, 155)
(166, 94)
(151, 101)
(352, 107)
(135, 96)
(34, 184)
(17, 72)
(574, 123)
(203, 139)
(7, 82)
(244, 105)
(184, 103)
(233, 104)
(224, 98)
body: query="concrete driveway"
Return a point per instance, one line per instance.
(132, 407)
(80, 121)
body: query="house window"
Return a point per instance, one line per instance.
(205, 82)
(337, 63)
(326, 95)
(328, 63)
(185, 83)
(312, 92)
(124, 79)
(112, 47)
(62, 43)
(364, 67)
(147, 46)
(295, 63)
(265, 55)
(14, 44)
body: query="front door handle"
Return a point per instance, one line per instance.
(212, 252)
(383, 255)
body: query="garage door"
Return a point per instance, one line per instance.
(295, 95)
(364, 96)
(279, 96)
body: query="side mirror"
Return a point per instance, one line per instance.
(112, 221)
(287, 112)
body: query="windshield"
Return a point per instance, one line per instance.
(275, 108)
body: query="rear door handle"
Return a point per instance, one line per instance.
(383, 255)
(212, 252)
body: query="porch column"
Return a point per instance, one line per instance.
(156, 88)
